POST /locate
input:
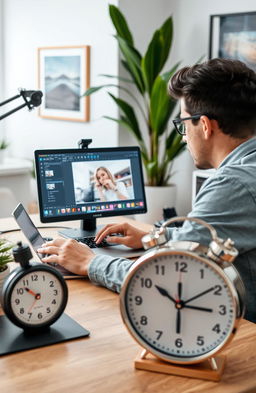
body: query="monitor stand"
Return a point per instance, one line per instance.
(87, 228)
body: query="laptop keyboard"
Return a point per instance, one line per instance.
(90, 242)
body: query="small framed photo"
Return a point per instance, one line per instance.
(64, 76)
(233, 36)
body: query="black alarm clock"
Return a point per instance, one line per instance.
(34, 295)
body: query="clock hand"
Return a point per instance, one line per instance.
(179, 290)
(178, 321)
(163, 292)
(34, 302)
(29, 291)
(36, 295)
(180, 286)
(199, 294)
(199, 308)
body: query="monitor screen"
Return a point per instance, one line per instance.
(89, 183)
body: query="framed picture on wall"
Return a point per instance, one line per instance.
(64, 76)
(233, 36)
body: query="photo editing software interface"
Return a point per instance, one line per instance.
(87, 183)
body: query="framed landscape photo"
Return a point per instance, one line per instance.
(64, 76)
(233, 36)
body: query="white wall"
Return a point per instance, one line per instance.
(30, 24)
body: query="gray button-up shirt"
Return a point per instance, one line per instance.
(226, 200)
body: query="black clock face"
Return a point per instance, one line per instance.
(179, 307)
(34, 297)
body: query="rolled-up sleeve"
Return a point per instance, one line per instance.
(109, 272)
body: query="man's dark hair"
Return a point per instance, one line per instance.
(221, 89)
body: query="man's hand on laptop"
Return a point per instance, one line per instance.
(69, 253)
(124, 233)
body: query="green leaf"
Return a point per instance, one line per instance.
(170, 139)
(125, 65)
(120, 24)
(130, 116)
(152, 168)
(150, 62)
(118, 78)
(161, 106)
(133, 60)
(92, 90)
(174, 145)
(166, 36)
(5, 254)
(157, 53)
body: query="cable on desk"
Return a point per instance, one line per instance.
(40, 227)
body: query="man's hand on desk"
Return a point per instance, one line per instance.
(76, 257)
(69, 253)
(123, 233)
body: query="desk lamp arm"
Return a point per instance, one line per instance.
(32, 98)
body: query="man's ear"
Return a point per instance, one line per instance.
(208, 126)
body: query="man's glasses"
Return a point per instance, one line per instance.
(180, 126)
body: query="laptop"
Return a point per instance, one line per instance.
(36, 240)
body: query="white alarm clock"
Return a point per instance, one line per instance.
(180, 301)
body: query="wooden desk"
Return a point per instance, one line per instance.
(103, 363)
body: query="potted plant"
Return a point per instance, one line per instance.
(161, 144)
(3, 146)
(5, 257)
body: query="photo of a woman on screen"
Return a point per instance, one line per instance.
(108, 188)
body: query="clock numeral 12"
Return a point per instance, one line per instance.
(181, 267)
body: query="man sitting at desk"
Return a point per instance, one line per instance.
(218, 122)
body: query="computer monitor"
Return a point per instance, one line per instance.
(83, 184)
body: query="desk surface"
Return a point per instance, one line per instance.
(104, 362)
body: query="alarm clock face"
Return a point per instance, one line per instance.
(34, 297)
(179, 306)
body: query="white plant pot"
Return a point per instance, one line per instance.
(157, 199)
(3, 276)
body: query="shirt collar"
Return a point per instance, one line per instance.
(239, 152)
